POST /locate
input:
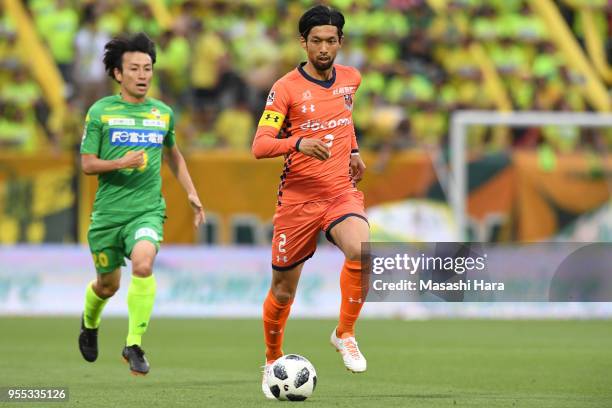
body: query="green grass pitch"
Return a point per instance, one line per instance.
(214, 363)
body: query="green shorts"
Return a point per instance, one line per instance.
(112, 237)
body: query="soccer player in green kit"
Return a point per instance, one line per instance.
(123, 142)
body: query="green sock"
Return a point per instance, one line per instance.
(94, 305)
(140, 297)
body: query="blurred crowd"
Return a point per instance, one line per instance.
(218, 59)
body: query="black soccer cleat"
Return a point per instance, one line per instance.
(88, 342)
(134, 355)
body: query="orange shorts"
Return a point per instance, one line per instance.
(296, 227)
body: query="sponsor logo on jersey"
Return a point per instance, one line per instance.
(330, 124)
(344, 90)
(307, 95)
(154, 123)
(146, 232)
(348, 101)
(270, 99)
(121, 122)
(136, 137)
(271, 118)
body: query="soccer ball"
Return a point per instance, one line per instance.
(292, 378)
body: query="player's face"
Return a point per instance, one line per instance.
(135, 76)
(322, 45)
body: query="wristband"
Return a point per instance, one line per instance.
(297, 144)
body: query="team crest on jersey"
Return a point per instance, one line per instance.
(270, 99)
(154, 123)
(307, 95)
(348, 102)
(155, 112)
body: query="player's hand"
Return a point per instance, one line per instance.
(132, 160)
(198, 211)
(314, 148)
(357, 167)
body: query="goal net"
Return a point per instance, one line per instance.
(457, 182)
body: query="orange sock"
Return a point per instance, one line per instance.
(353, 296)
(275, 316)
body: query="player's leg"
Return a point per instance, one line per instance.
(276, 309)
(108, 265)
(141, 292)
(142, 238)
(295, 239)
(105, 245)
(347, 232)
(96, 296)
(348, 236)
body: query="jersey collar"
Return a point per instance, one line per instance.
(324, 84)
(120, 99)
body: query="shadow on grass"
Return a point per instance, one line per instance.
(202, 383)
(407, 396)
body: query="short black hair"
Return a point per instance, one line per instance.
(318, 16)
(115, 48)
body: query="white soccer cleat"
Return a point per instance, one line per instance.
(352, 357)
(267, 370)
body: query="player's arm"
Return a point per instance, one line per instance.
(90, 147)
(266, 144)
(177, 164)
(91, 164)
(357, 165)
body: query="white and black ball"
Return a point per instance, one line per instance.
(292, 378)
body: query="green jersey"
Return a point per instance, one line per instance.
(114, 127)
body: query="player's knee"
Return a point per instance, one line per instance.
(352, 251)
(108, 289)
(142, 268)
(283, 295)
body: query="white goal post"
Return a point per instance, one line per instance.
(460, 120)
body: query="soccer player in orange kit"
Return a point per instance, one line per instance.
(308, 119)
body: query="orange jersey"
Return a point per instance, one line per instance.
(300, 106)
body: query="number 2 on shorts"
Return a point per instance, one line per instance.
(281, 243)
